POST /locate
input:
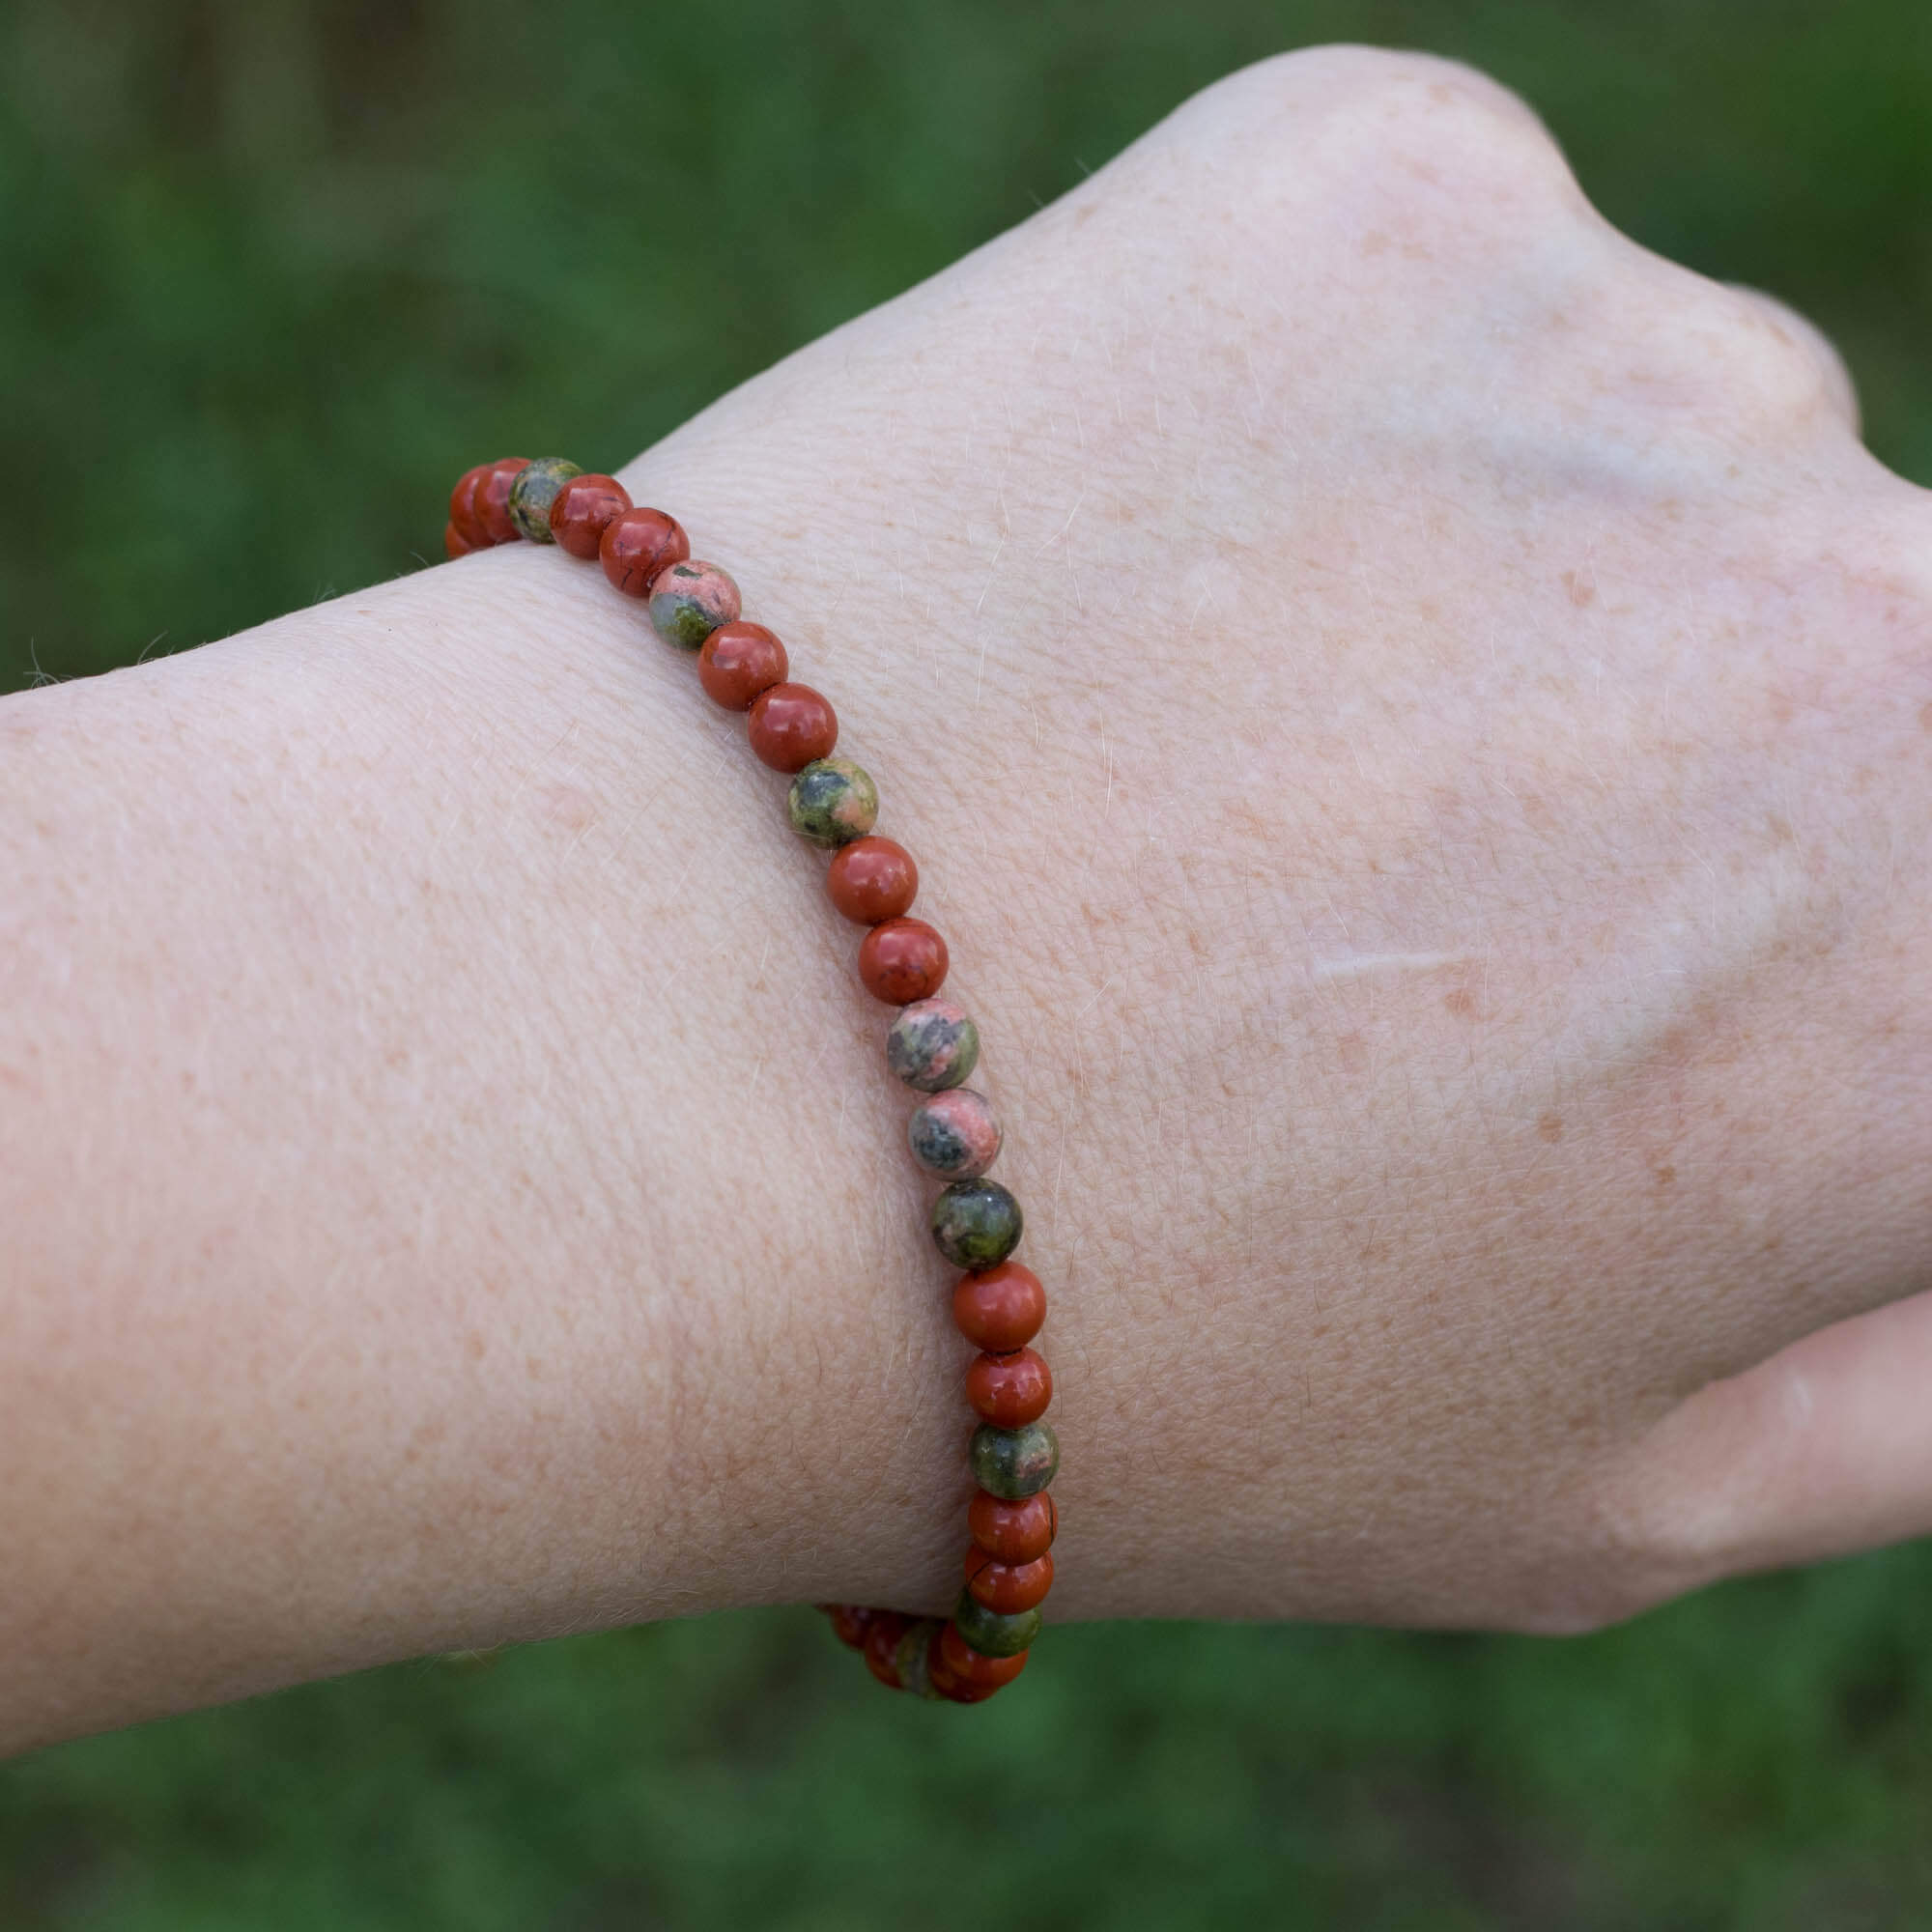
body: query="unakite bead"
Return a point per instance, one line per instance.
(933, 1045)
(832, 802)
(689, 601)
(974, 1667)
(533, 492)
(912, 1659)
(975, 1223)
(989, 1632)
(1014, 1463)
(955, 1135)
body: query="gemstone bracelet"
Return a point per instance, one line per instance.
(932, 1045)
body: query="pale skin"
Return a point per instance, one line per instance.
(1416, 717)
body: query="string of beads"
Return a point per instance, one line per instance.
(932, 1045)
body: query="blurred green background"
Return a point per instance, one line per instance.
(273, 273)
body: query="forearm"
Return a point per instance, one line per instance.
(440, 1123)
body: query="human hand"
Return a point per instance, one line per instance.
(1413, 715)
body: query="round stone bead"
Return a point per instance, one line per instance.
(1011, 1390)
(453, 544)
(534, 489)
(849, 1623)
(790, 725)
(1012, 1531)
(913, 1658)
(1000, 1309)
(739, 661)
(583, 509)
(689, 601)
(1008, 1587)
(462, 510)
(989, 1632)
(955, 1135)
(977, 1667)
(1014, 1463)
(872, 880)
(975, 1223)
(953, 1686)
(638, 547)
(832, 802)
(934, 1044)
(492, 499)
(881, 1646)
(902, 961)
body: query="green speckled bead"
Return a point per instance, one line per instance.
(976, 1223)
(690, 600)
(533, 492)
(832, 802)
(989, 1632)
(913, 1656)
(1014, 1463)
(934, 1044)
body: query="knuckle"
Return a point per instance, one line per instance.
(1788, 364)
(1427, 120)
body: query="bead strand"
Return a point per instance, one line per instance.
(932, 1045)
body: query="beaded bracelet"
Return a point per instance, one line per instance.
(932, 1045)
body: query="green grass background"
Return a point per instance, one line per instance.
(272, 274)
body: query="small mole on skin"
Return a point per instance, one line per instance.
(1665, 1174)
(1550, 1127)
(1462, 1002)
(1581, 594)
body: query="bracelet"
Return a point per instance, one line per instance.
(932, 1045)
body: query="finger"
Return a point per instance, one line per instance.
(1840, 392)
(1822, 1450)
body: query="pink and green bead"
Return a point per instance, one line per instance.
(832, 802)
(933, 1045)
(691, 600)
(955, 1134)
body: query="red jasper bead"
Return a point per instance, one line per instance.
(882, 1639)
(790, 725)
(849, 1623)
(955, 1689)
(492, 499)
(738, 662)
(1008, 1587)
(902, 961)
(1000, 1309)
(453, 544)
(872, 880)
(636, 544)
(583, 510)
(463, 511)
(1009, 1390)
(1013, 1532)
(968, 1664)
